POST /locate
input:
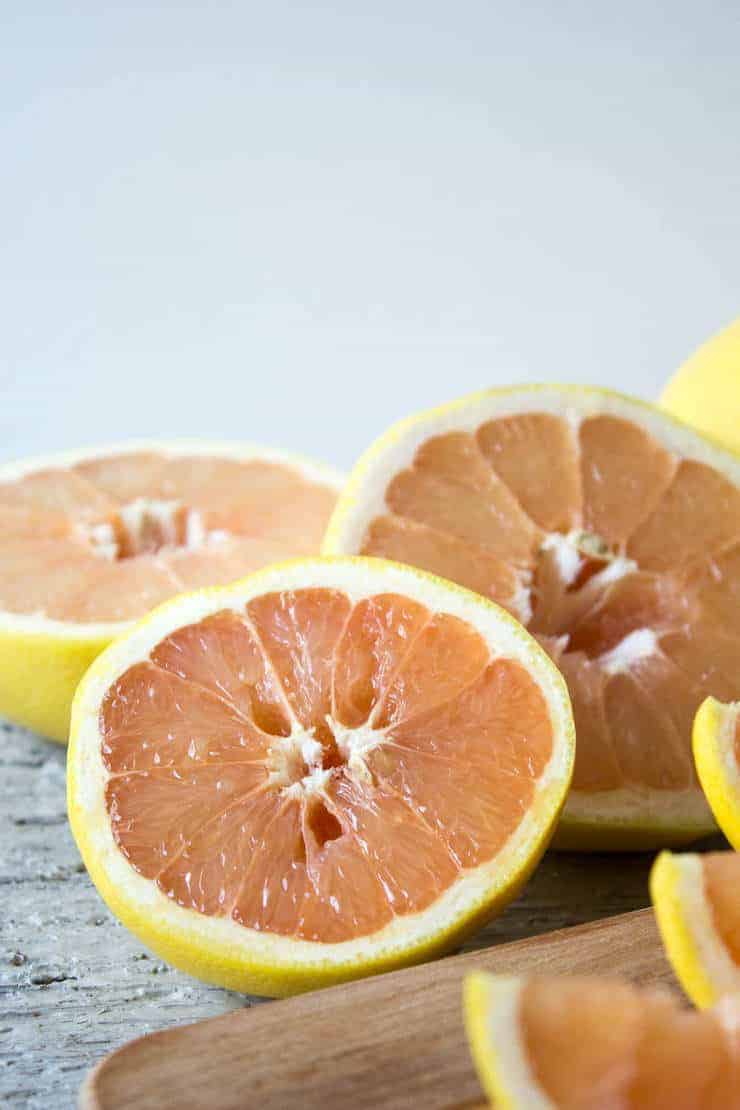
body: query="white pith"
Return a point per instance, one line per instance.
(355, 744)
(363, 499)
(637, 645)
(358, 579)
(713, 956)
(505, 1044)
(102, 535)
(726, 745)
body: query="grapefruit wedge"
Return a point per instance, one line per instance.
(92, 540)
(610, 530)
(717, 756)
(696, 899)
(599, 1044)
(331, 768)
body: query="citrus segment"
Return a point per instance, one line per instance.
(698, 514)
(698, 913)
(475, 567)
(613, 534)
(331, 753)
(536, 456)
(584, 1044)
(625, 474)
(93, 541)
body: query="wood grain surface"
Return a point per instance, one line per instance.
(395, 1041)
(74, 984)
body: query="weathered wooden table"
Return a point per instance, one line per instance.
(76, 984)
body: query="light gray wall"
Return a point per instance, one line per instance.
(297, 222)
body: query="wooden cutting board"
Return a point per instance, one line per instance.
(394, 1041)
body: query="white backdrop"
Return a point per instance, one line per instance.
(296, 223)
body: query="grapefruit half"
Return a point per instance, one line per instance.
(592, 1044)
(91, 540)
(613, 532)
(331, 768)
(697, 907)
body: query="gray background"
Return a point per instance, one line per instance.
(296, 223)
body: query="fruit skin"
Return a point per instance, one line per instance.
(39, 673)
(678, 937)
(705, 391)
(478, 991)
(176, 934)
(42, 662)
(575, 833)
(709, 758)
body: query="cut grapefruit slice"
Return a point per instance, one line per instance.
(329, 769)
(613, 533)
(599, 1044)
(696, 903)
(717, 757)
(92, 540)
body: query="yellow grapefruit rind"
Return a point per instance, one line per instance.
(42, 661)
(705, 391)
(494, 1037)
(586, 825)
(222, 952)
(689, 938)
(39, 673)
(716, 766)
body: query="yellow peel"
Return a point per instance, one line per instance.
(705, 391)
(477, 1003)
(677, 928)
(716, 765)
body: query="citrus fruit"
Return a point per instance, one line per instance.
(548, 1043)
(331, 768)
(717, 757)
(613, 532)
(705, 391)
(697, 907)
(90, 541)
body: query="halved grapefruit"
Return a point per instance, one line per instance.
(90, 541)
(597, 1044)
(613, 532)
(696, 899)
(329, 769)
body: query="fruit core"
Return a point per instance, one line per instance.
(146, 526)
